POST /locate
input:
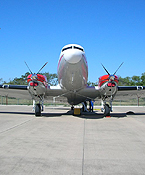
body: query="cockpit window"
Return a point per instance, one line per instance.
(67, 48)
(75, 47)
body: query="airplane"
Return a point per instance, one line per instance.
(72, 71)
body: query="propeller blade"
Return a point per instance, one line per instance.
(105, 69)
(42, 67)
(118, 68)
(28, 68)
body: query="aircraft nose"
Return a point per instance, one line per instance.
(73, 57)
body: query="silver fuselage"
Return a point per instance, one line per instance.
(72, 71)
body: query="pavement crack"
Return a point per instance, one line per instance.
(15, 126)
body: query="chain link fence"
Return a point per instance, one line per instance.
(5, 100)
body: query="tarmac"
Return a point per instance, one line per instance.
(59, 143)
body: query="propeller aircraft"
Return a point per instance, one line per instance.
(72, 74)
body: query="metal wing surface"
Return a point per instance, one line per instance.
(130, 92)
(90, 92)
(55, 91)
(22, 91)
(16, 91)
(124, 92)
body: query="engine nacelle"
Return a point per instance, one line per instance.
(39, 78)
(112, 80)
(108, 85)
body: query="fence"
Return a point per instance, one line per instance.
(4, 100)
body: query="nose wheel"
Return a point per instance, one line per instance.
(107, 110)
(37, 110)
(106, 107)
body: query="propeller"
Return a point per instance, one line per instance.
(118, 68)
(105, 69)
(28, 68)
(34, 76)
(114, 72)
(42, 68)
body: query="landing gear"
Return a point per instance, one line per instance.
(107, 110)
(106, 107)
(37, 110)
(38, 107)
(84, 107)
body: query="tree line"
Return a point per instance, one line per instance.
(132, 81)
(53, 80)
(127, 81)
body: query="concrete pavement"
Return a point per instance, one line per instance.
(59, 143)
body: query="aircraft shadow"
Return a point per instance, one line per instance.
(96, 115)
(23, 113)
(32, 113)
(135, 113)
(85, 115)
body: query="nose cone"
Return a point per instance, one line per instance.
(73, 56)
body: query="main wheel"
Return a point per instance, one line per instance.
(37, 110)
(107, 110)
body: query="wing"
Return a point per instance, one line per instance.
(55, 91)
(22, 91)
(17, 91)
(129, 92)
(90, 92)
(123, 92)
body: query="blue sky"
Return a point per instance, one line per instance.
(111, 32)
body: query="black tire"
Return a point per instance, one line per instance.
(37, 110)
(107, 110)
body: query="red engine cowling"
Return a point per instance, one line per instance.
(39, 77)
(29, 78)
(106, 78)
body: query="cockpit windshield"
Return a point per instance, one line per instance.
(66, 48)
(73, 47)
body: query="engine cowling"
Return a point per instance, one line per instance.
(37, 78)
(111, 79)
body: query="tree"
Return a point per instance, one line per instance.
(136, 80)
(143, 79)
(51, 78)
(124, 81)
(1, 80)
(20, 81)
(89, 83)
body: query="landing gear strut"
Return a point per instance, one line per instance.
(84, 107)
